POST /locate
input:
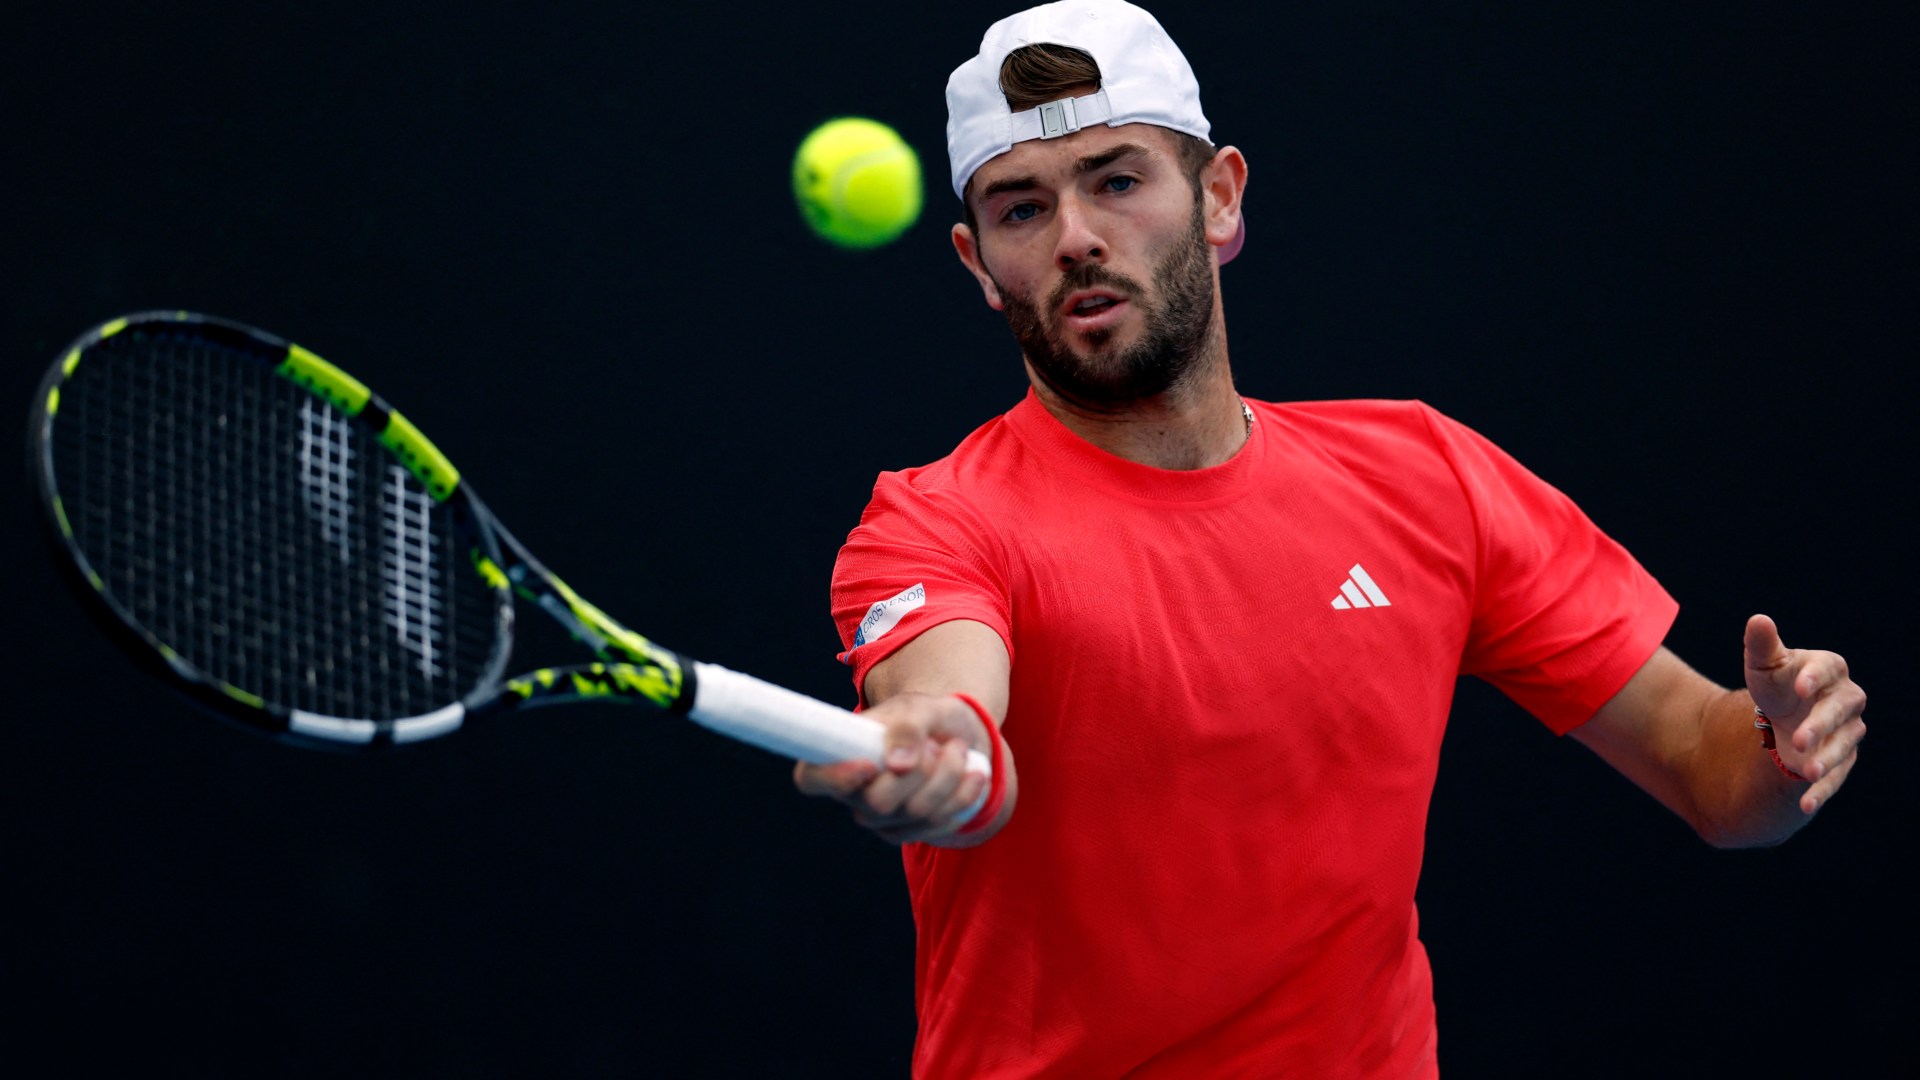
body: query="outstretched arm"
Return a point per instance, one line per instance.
(923, 790)
(1693, 745)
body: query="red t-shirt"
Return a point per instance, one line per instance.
(1229, 688)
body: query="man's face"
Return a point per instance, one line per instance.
(1094, 245)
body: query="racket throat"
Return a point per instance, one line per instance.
(638, 668)
(581, 631)
(657, 685)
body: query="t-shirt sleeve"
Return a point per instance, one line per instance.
(1563, 616)
(920, 557)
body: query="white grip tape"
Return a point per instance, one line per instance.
(794, 725)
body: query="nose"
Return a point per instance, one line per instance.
(1079, 238)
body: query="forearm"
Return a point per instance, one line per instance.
(923, 792)
(1692, 745)
(959, 657)
(1739, 797)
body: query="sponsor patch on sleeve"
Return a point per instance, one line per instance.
(886, 615)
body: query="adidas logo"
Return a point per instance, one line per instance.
(1359, 591)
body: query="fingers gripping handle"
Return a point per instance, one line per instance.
(791, 724)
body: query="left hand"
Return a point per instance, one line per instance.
(1814, 704)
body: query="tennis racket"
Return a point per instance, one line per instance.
(288, 548)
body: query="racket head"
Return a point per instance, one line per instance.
(257, 527)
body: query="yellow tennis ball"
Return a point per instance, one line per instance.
(857, 182)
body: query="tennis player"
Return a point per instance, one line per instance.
(1210, 642)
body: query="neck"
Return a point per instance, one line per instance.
(1199, 422)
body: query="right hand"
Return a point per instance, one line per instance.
(923, 790)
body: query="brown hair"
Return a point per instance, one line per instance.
(1033, 75)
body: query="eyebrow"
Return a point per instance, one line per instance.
(1107, 157)
(1090, 163)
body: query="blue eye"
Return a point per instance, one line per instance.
(1021, 211)
(1121, 183)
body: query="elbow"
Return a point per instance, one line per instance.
(1738, 841)
(1739, 833)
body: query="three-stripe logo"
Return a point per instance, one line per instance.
(1359, 591)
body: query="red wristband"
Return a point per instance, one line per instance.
(997, 783)
(1766, 739)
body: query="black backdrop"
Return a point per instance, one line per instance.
(1662, 253)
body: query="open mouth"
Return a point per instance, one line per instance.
(1089, 310)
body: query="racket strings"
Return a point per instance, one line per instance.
(326, 472)
(412, 599)
(264, 537)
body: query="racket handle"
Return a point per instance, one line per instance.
(791, 724)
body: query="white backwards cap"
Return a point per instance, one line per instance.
(1144, 79)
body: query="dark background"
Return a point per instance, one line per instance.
(1662, 253)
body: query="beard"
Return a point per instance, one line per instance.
(1173, 344)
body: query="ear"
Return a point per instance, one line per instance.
(967, 246)
(1222, 183)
